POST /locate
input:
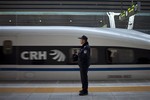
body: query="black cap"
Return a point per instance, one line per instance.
(83, 37)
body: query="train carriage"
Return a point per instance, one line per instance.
(45, 53)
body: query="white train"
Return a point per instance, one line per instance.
(45, 53)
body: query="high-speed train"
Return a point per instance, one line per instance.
(46, 53)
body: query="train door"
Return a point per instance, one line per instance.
(8, 59)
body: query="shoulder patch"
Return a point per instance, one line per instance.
(85, 51)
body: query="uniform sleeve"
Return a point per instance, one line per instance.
(85, 55)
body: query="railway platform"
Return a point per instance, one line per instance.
(68, 90)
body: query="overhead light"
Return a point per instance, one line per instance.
(101, 21)
(10, 21)
(70, 21)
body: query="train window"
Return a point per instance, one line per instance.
(143, 60)
(94, 55)
(74, 55)
(7, 47)
(119, 56)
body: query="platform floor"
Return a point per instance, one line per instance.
(68, 90)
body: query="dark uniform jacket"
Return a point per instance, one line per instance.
(84, 55)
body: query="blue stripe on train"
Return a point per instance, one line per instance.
(73, 69)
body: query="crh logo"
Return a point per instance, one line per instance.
(34, 55)
(57, 55)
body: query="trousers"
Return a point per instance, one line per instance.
(84, 77)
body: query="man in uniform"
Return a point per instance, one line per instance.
(84, 63)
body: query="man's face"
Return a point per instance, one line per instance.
(82, 41)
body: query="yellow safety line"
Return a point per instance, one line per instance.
(75, 89)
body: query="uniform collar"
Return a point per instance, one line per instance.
(86, 43)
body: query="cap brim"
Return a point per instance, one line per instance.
(79, 37)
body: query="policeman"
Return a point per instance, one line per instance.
(84, 63)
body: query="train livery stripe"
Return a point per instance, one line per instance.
(73, 69)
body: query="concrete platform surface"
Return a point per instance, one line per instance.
(75, 96)
(68, 90)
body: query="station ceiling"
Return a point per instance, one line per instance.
(71, 5)
(89, 13)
